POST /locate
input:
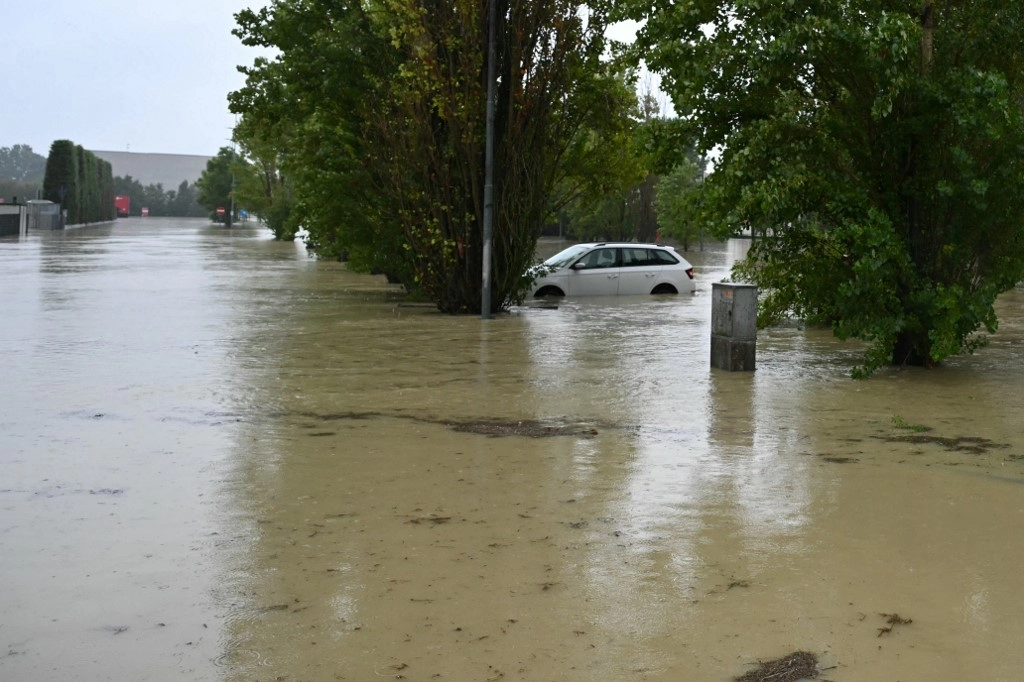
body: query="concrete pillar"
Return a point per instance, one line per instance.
(733, 326)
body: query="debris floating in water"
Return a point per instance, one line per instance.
(799, 665)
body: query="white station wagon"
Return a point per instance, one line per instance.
(613, 269)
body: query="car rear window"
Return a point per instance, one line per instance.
(637, 256)
(663, 257)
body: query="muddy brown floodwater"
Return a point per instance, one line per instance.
(223, 460)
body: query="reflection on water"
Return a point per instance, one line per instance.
(224, 460)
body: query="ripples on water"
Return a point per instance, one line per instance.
(293, 502)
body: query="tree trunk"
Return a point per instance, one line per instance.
(647, 222)
(907, 350)
(927, 38)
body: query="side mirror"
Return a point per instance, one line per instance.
(578, 265)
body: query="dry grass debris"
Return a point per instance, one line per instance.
(799, 665)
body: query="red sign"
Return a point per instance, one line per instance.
(220, 210)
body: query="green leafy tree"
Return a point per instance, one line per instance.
(156, 200)
(20, 164)
(184, 202)
(610, 188)
(60, 181)
(181, 202)
(308, 109)
(264, 191)
(380, 113)
(607, 218)
(677, 202)
(217, 184)
(80, 181)
(879, 144)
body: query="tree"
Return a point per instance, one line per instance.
(677, 201)
(264, 191)
(217, 184)
(181, 202)
(184, 202)
(80, 181)
(306, 109)
(156, 199)
(60, 182)
(606, 192)
(878, 142)
(380, 113)
(20, 164)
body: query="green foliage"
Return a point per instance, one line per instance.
(60, 178)
(305, 111)
(181, 202)
(678, 203)
(216, 186)
(21, 171)
(666, 143)
(608, 186)
(261, 186)
(21, 164)
(376, 115)
(80, 181)
(900, 423)
(881, 157)
(607, 218)
(184, 201)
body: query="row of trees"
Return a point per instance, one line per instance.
(21, 172)
(368, 130)
(183, 202)
(230, 183)
(879, 142)
(80, 181)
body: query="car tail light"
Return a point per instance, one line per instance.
(689, 272)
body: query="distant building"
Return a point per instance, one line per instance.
(168, 170)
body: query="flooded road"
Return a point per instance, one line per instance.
(223, 460)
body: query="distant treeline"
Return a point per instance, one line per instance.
(22, 174)
(80, 181)
(181, 203)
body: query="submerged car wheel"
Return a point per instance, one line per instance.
(664, 289)
(549, 291)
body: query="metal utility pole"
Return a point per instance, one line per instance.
(234, 160)
(492, 68)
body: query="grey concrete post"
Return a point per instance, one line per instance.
(733, 326)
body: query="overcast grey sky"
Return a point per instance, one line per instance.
(114, 75)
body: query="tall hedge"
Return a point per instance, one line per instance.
(60, 181)
(80, 181)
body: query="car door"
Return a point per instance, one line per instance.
(595, 274)
(637, 277)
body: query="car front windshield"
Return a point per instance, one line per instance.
(563, 258)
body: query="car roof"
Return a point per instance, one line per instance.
(626, 244)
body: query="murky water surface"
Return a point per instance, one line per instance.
(223, 460)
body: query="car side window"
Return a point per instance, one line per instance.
(633, 257)
(599, 258)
